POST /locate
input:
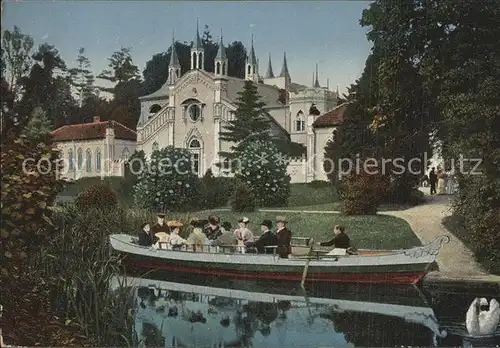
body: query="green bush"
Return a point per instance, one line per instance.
(264, 170)
(243, 199)
(27, 195)
(477, 205)
(362, 193)
(319, 184)
(215, 191)
(167, 182)
(99, 196)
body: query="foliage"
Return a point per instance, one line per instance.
(98, 196)
(313, 193)
(168, 181)
(264, 169)
(16, 63)
(248, 119)
(38, 127)
(243, 200)
(27, 195)
(215, 191)
(82, 78)
(362, 193)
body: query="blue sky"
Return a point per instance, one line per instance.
(323, 32)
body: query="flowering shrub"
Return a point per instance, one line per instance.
(263, 168)
(167, 181)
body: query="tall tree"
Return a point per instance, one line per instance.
(48, 86)
(16, 51)
(122, 69)
(236, 56)
(81, 77)
(248, 118)
(210, 48)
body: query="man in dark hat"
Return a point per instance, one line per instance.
(160, 225)
(284, 237)
(145, 237)
(213, 230)
(267, 238)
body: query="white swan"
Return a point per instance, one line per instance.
(482, 322)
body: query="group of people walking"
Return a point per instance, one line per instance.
(211, 232)
(443, 181)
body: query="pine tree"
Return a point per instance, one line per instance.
(248, 119)
(39, 125)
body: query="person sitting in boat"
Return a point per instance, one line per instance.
(284, 237)
(227, 237)
(197, 238)
(243, 233)
(213, 230)
(145, 236)
(176, 241)
(267, 238)
(160, 225)
(340, 239)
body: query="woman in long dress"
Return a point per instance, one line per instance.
(441, 182)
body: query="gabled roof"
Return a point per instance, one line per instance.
(331, 118)
(91, 131)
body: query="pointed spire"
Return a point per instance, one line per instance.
(269, 73)
(312, 84)
(316, 82)
(221, 52)
(284, 68)
(197, 40)
(174, 60)
(251, 58)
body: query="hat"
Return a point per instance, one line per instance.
(244, 220)
(174, 223)
(267, 223)
(281, 218)
(161, 215)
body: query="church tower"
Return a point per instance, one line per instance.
(174, 67)
(252, 67)
(197, 52)
(221, 61)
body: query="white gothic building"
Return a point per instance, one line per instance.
(190, 110)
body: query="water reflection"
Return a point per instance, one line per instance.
(173, 314)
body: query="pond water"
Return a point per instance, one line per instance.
(212, 313)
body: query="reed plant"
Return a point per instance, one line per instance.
(81, 265)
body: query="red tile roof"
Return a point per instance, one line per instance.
(331, 118)
(93, 130)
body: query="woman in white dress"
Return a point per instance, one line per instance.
(441, 189)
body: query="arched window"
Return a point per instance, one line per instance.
(195, 148)
(217, 69)
(98, 160)
(88, 160)
(226, 164)
(156, 147)
(194, 112)
(125, 153)
(223, 68)
(71, 163)
(300, 123)
(249, 70)
(154, 108)
(79, 158)
(194, 60)
(200, 60)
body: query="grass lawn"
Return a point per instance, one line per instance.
(370, 232)
(336, 206)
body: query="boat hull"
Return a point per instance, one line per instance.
(163, 269)
(400, 267)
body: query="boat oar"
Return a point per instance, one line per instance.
(306, 267)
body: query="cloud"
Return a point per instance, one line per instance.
(45, 37)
